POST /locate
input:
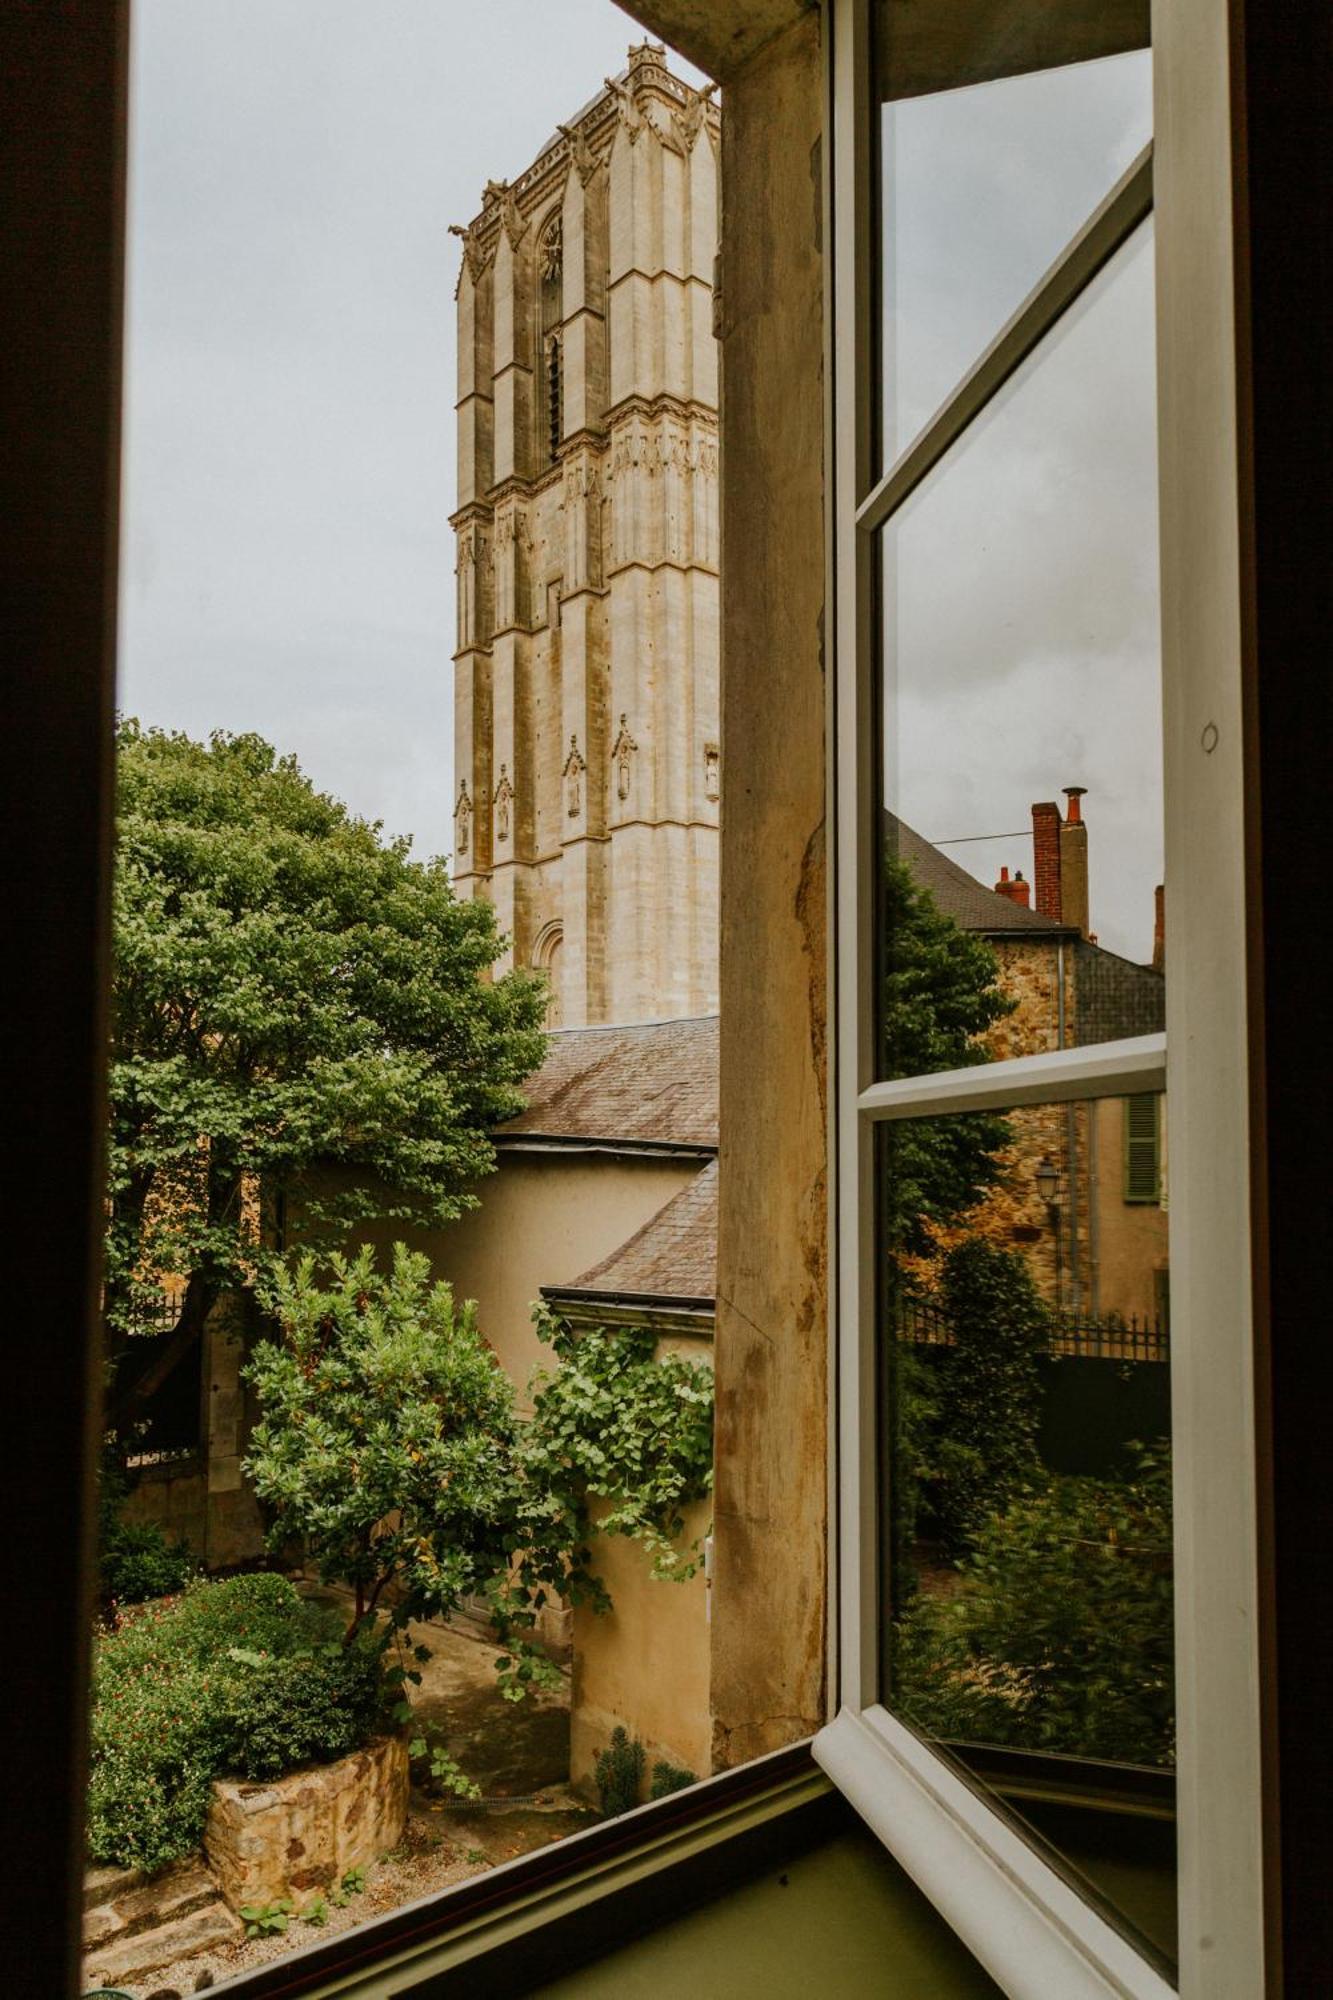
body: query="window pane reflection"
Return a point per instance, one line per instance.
(981, 189)
(1022, 772)
(1026, 1381)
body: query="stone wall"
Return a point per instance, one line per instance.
(304, 1832)
(771, 1357)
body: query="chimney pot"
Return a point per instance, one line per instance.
(1074, 793)
(1016, 891)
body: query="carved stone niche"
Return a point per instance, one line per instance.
(462, 819)
(575, 766)
(502, 801)
(712, 772)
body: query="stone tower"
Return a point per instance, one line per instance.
(587, 756)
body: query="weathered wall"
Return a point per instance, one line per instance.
(644, 1664)
(768, 1657)
(544, 1219)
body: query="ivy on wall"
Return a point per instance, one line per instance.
(616, 1424)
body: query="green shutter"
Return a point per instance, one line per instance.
(1143, 1173)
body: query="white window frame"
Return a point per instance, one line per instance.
(1032, 1931)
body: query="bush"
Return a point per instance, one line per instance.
(235, 1676)
(971, 1441)
(618, 1773)
(1059, 1635)
(137, 1562)
(668, 1778)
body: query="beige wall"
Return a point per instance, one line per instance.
(1131, 1237)
(768, 1631)
(544, 1219)
(644, 1664)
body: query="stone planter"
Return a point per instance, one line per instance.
(303, 1832)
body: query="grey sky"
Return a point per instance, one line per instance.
(288, 565)
(295, 164)
(1025, 622)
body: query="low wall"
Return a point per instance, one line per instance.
(303, 1832)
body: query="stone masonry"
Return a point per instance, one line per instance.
(588, 758)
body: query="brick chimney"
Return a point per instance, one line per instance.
(1046, 857)
(1074, 862)
(1018, 891)
(1159, 929)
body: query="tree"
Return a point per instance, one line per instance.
(292, 993)
(941, 995)
(387, 1436)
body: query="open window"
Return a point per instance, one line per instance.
(1030, 1713)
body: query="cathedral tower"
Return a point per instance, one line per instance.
(587, 755)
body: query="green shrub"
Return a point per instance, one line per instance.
(1059, 1634)
(136, 1562)
(668, 1778)
(618, 1773)
(970, 1414)
(238, 1675)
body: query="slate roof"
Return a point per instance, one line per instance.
(959, 895)
(639, 1088)
(672, 1258)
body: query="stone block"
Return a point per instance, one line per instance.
(135, 1958)
(303, 1832)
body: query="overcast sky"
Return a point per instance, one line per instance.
(288, 564)
(295, 164)
(1023, 630)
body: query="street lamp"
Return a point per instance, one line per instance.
(1048, 1187)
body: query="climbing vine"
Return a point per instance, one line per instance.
(616, 1424)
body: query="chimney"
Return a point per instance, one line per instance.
(1046, 857)
(1159, 928)
(1074, 862)
(1017, 891)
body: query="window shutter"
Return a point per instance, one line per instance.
(1143, 1177)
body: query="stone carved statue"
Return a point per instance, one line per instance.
(573, 776)
(622, 753)
(502, 800)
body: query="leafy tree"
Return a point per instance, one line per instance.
(291, 993)
(387, 1437)
(974, 1405)
(941, 995)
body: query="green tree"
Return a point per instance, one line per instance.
(292, 993)
(941, 995)
(972, 1441)
(387, 1437)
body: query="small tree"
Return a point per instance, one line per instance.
(975, 1439)
(387, 1436)
(291, 992)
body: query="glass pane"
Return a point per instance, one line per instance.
(981, 189)
(1021, 671)
(1024, 1345)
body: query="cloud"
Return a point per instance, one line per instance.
(289, 442)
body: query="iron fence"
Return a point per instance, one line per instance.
(1096, 1337)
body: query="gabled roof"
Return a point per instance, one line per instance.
(648, 1088)
(959, 895)
(672, 1260)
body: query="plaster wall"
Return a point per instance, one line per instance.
(768, 1630)
(544, 1219)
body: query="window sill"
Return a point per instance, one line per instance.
(1032, 1932)
(551, 1911)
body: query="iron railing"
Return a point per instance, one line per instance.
(1097, 1337)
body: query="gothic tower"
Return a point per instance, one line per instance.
(587, 757)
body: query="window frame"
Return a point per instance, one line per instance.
(1020, 1918)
